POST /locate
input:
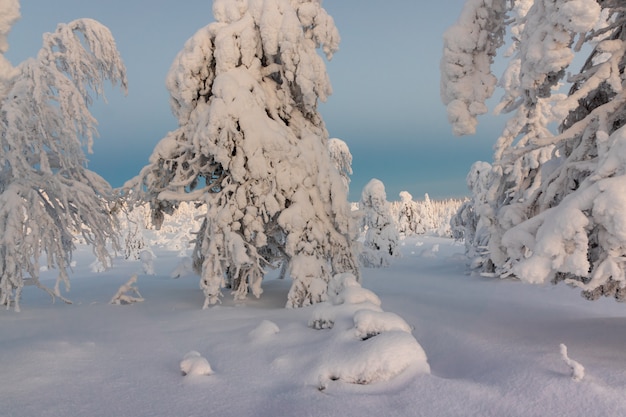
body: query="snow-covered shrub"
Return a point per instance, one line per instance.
(347, 297)
(369, 323)
(194, 364)
(252, 147)
(555, 202)
(369, 345)
(47, 195)
(381, 236)
(374, 360)
(134, 243)
(577, 370)
(146, 257)
(123, 294)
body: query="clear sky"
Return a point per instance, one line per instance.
(385, 77)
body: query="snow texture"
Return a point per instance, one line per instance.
(492, 346)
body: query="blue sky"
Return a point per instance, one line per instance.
(385, 77)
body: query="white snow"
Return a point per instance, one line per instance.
(492, 347)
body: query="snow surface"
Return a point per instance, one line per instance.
(493, 346)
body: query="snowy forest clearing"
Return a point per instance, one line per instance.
(493, 347)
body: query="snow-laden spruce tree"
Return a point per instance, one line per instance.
(381, 235)
(46, 193)
(342, 158)
(409, 216)
(252, 146)
(555, 206)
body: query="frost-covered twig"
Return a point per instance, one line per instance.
(578, 371)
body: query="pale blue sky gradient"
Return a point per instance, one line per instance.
(385, 77)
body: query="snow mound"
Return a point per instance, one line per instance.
(194, 364)
(377, 359)
(368, 323)
(370, 345)
(184, 268)
(356, 295)
(264, 330)
(326, 314)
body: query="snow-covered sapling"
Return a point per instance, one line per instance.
(123, 294)
(577, 370)
(381, 236)
(146, 257)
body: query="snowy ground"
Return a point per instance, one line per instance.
(492, 346)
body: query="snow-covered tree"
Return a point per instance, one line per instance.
(409, 216)
(252, 146)
(555, 199)
(341, 156)
(472, 221)
(46, 193)
(381, 236)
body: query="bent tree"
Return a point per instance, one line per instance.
(47, 195)
(252, 146)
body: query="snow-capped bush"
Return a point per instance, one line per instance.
(193, 364)
(370, 345)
